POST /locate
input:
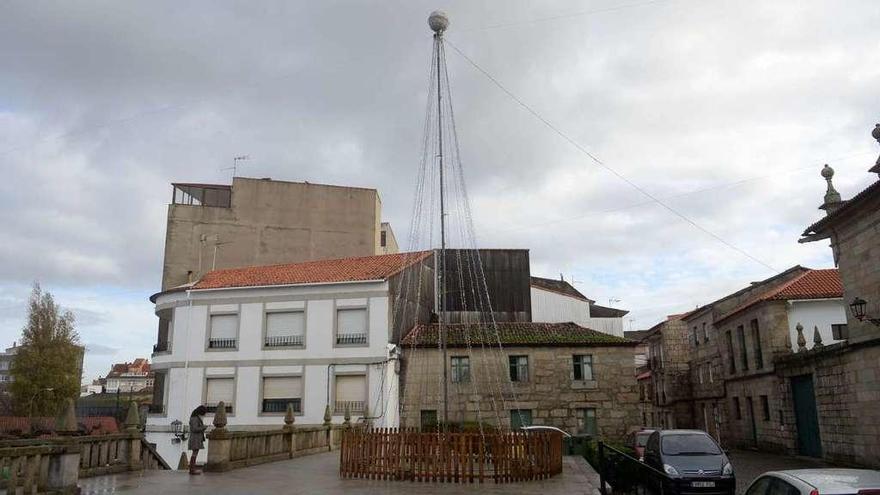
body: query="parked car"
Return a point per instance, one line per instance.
(692, 462)
(637, 441)
(817, 482)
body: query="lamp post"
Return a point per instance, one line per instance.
(31, 406)
(858, 308)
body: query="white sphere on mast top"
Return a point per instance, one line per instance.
(438, 21)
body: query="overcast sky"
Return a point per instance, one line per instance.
(725, 109)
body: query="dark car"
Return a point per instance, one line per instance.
(692, 461)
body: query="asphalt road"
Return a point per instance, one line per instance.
(748, 465)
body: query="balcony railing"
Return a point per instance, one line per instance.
(284, 341)
(221, 343)
(212, 408)
(351, 338)
(280, 405)
(354, 406)
(161, 347)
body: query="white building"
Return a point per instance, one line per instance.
(315, 335)
(557, 301)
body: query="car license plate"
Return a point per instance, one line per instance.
(703, 484)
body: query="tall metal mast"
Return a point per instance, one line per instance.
(438, 21)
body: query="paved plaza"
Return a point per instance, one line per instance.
(318, 474)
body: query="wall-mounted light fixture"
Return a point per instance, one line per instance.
(858, 307)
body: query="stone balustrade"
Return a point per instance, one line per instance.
(55, 464)
(229, 450)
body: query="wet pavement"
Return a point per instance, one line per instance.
(320, 474)
(748, 465)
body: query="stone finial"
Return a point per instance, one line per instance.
(801, 341)
(289, 416)
(876, 135)
(327, 416)
(132, 418)
(832, 197)
(183, 463)
(220, 415)
(817, 338)
(347, 415)
(66, 421)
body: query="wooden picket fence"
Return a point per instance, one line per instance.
(409, 454)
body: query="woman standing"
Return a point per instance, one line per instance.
(196, 436)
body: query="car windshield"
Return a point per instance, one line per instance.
(689, 444)
(642, 439)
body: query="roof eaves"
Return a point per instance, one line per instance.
(816, 231)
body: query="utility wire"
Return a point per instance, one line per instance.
(602, 164)
(724, 185)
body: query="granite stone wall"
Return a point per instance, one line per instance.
(551, 393)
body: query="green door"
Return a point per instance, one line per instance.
(806, 416)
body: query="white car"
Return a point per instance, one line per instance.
(817, 482)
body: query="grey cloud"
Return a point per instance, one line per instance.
(107, 103)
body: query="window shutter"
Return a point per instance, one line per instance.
(285, 324)
(224, 326)
(351, 321)
(351, 388)
(220, 389)
(282, 387)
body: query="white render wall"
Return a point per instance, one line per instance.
(189, 363)
(552, 307)
(820, 313)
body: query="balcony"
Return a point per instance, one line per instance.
(161, 347)
(351, 339)
(280, 405)
(221, 343)
(354, 406)
(284, 341)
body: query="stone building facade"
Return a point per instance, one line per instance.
(845, 376)
(556, 374)
(262, 222)
(667, 400)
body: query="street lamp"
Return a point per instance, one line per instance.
(858, 308)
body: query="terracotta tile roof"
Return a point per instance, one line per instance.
(558, 286)
(312, 272)
(511, 334)
(92, 425)
(812, 284)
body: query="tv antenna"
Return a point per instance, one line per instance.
(235, 161)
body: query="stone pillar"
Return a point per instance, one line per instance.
(801, 341)
(135, 437)
(817, 338)
(219, 442)
(64, 469)
(66, 423)
(289, 432)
